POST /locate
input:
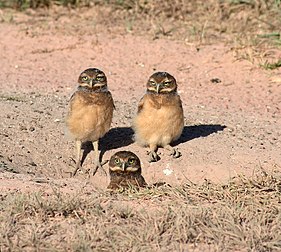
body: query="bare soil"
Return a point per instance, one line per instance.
(232, 108)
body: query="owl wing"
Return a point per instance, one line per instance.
(140, 105)
(180, 102)
(72, 96)
(153, 101)
(141, 181)
(112, 100)
(73, 99)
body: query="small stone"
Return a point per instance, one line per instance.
(23, 128)
(215, 80)
(31, 129)
(167, 171)
(32, 163)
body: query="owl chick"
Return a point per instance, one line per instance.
(90, 112)
(125, 171)
(160, 119)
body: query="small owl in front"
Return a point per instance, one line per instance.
(90, 113)
(160, 119)
(125, 171)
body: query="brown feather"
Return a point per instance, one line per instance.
(160, 121)
(127, 176)
(126, 181)
(90, 115)
(140, 105)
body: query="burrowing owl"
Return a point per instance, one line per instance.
(125, 171)
(160, 119)
(90, 113)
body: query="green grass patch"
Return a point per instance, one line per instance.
(271, 66)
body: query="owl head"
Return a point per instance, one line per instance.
(93, 78)
(161, 83)
(125, 162)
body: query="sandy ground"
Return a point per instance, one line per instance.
(232, 108)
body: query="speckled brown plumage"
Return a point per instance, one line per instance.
(160, 119)
(90, 112)
(125, 171)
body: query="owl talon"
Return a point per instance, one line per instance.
(153, 157)
(176, 154)
(78, 167)
(99, 166)
(173, 152)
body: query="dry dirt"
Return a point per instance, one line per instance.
(232, 108)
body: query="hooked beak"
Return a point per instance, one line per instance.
(92, 83)
(123, 166)
(158, 88)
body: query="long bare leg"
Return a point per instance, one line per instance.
(78, 157)
(174, 152)
(98, 165)
(153, 157)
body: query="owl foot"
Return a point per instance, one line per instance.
(78, 157)
(173, 152)
(153, 157)
(78, 167)
(99, 165)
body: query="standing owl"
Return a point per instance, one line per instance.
(160, 119)
(90, 112)
(125, 171)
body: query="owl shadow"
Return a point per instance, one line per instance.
(196, 131)
(115, 138)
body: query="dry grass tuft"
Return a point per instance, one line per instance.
(243, 215)
(251, 27)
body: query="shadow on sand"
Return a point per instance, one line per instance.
(196, 131)
(115, 138)
(123, 136)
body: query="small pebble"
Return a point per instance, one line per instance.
(31, 128)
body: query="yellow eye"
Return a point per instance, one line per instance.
(100, 78)
(167, 83)
(117, 161)
(85, 78)
(131, 161)
(152, 83)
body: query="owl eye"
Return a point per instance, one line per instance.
(167, 83)
(152, 83)
(117, 161)
(85, 78)
(131, 161)
(100, 78)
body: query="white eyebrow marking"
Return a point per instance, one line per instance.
(116, 168)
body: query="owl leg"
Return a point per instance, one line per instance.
(78, 157)
(98, 165)
(153, 157)
(174, 152)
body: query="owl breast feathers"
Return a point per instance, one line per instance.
(160, 119)
(90, 115)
